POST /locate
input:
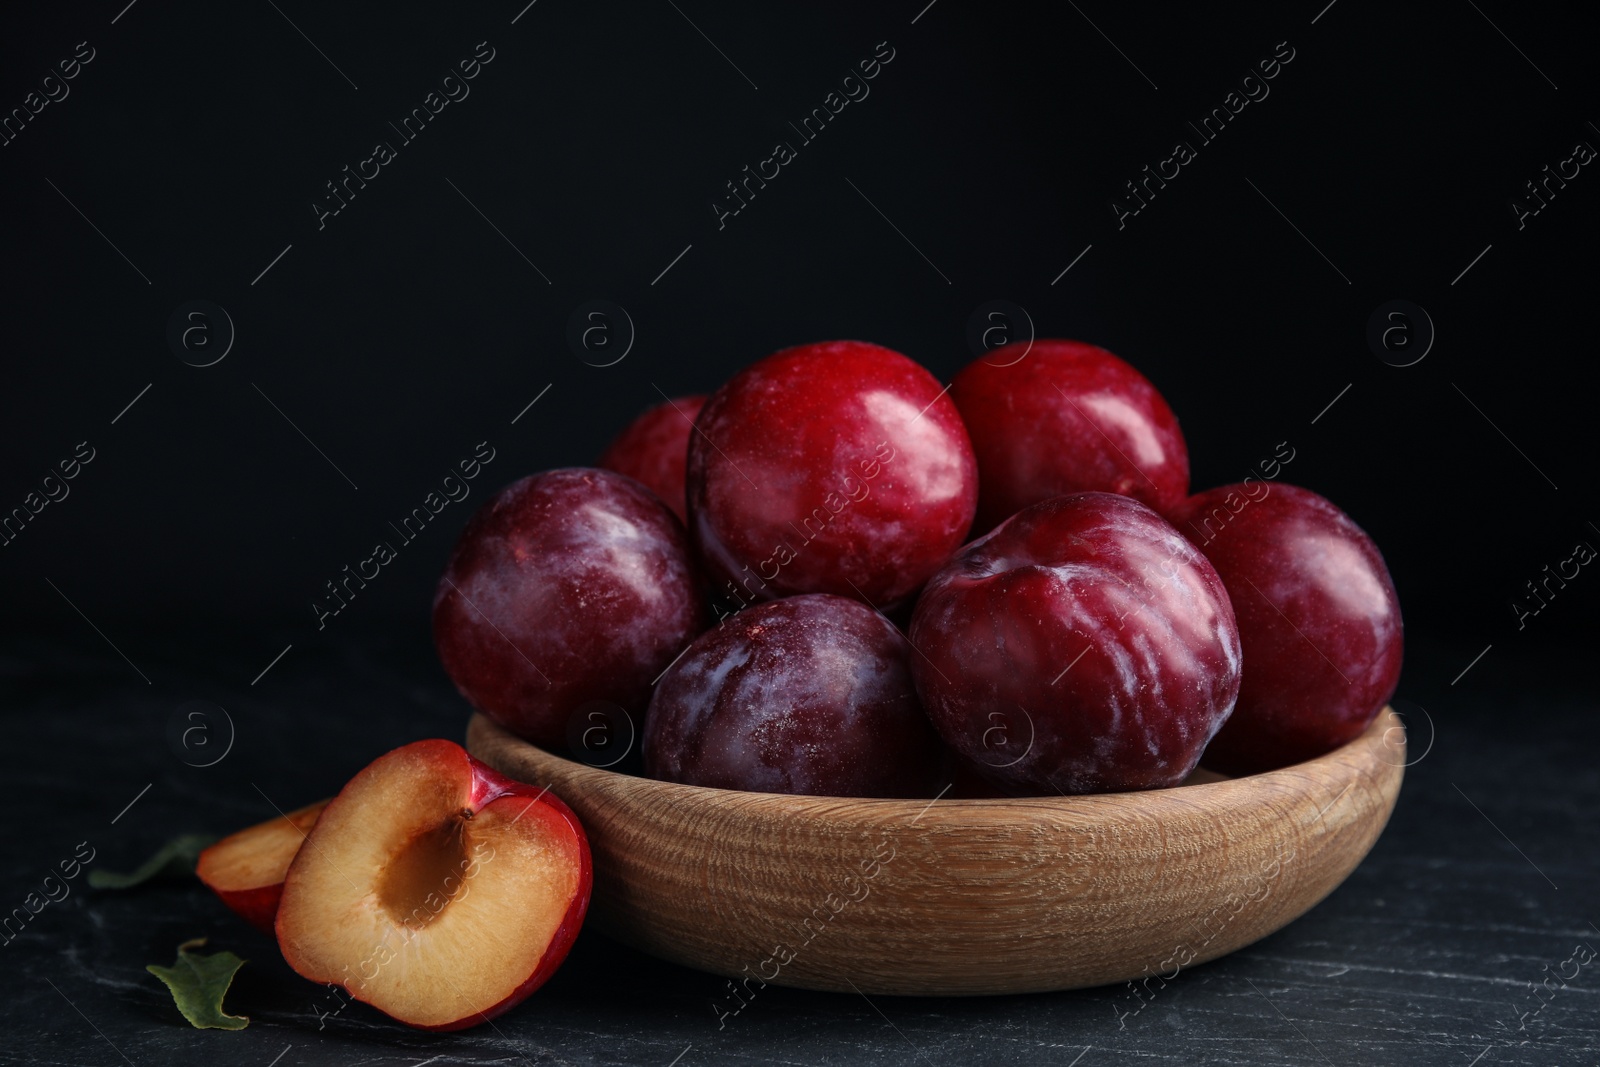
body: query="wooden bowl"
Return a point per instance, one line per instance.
(964, 897)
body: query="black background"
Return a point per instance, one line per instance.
(407, 330)
(414, 324)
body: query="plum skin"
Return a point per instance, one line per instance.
(1082, 646)
(1318, 617)
(1065, 417)
(837, 467)
(810, 695)
(566, 587)
(653, 450)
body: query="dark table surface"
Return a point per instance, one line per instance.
(1482, 887)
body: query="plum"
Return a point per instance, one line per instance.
(1066, 417)
(1318, 618)
(810, 694)
(566, 588)
(653, 450)
(829, 468)
(1081, 646)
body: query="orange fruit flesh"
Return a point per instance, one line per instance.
(420, 907)
(259, 855)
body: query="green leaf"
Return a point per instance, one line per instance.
(175, 858)
(198, 984)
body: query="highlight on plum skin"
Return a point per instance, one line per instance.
(566, 588)
(809, 694)
(1082, 646)
(653, 450)
(1318, 618)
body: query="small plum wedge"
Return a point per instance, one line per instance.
(246, 869)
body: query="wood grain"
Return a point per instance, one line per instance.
(965, 897)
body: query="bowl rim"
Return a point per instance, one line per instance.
(1362, 750)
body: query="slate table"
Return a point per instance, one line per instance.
(1481, 888)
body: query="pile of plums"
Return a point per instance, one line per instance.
(835, 576)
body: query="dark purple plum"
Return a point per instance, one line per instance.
(811, 694)
(1082, 646)
(566, 588)
(1318, 618)
(653, 449)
